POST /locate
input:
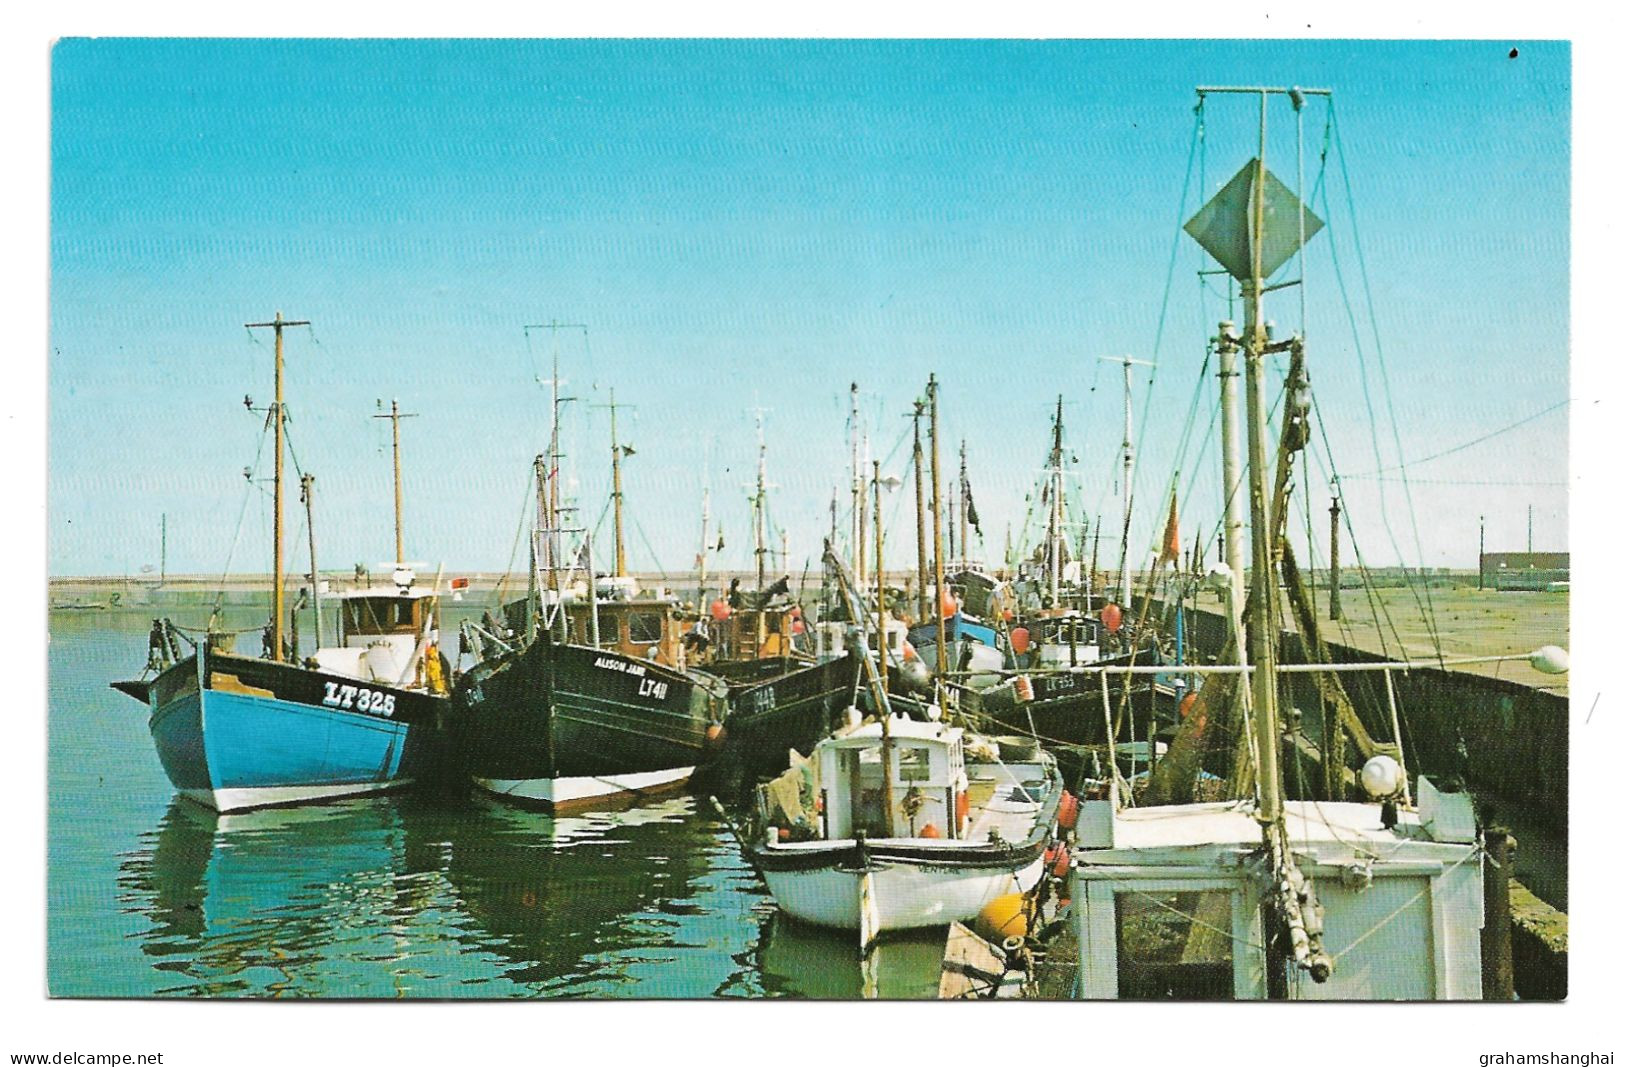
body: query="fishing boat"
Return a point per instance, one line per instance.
(584, 698)
(898, 823)
(1262, 895)
(921, 825)
(783, 692)
(237, 731)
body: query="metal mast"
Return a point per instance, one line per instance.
(617, 452)
(278, 415)
(759, 504)
(1251, 253)
(858, 533)
(1128, 363)
(549, 472)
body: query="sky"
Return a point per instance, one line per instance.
(756, 225)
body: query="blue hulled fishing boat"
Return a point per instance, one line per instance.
(237, 731)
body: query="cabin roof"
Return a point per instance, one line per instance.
(382, 592)
(1309, 824)
(902, 729)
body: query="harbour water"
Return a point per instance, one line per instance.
(410, 895)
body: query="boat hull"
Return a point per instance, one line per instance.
(562, 726)
(795, 710)
(903, 895)
(235, 733)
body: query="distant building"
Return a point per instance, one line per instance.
(1523, 570)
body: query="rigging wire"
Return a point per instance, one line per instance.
(1424, 602)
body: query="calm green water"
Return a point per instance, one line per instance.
(399, 896)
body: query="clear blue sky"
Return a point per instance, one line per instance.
(746, 223)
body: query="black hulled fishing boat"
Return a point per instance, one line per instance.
(582, 695)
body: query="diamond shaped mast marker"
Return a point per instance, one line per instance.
(1225, 226)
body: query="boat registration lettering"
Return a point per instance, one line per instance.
(653, 687)
(360, 698)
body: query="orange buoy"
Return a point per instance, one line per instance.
(798, 627)
(795, 612)
(930, 830)
(715, 735)
(1066, 816)
(1186, 703)
(1112, 616)
(1020, 640)
(784, 833)
(1058, 860)
(950, 604)
(962, 806)
(720, 609)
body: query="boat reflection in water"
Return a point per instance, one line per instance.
(283, 902)
(423, 896)
(799, 960)
(592, 905)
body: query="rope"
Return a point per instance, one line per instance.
(1420, 893)
(1194, 921)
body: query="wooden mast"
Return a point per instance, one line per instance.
(395, 416)
(617, 451)
(759, 505)
(936, 534)
(307, 483)
(964, 505)
(886, 747)
(278, 414)
(1055, 511)
(919, 514)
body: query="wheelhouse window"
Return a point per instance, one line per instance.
(1175, 945)
(379, 615)
(644, 627)
(913, 763)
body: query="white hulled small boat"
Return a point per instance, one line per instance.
(902, 824)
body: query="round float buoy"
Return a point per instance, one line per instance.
(1112, 616)
(1066, 816)
(795, 612)
(798, 627)
(1020, 640)
(1003, 917)
(1186, 703)
(715, 735)
(962, 808)
(950, 604)
(1058, 860)
(720, 609)
(930, 830)
(784, 833)
(909, 654)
